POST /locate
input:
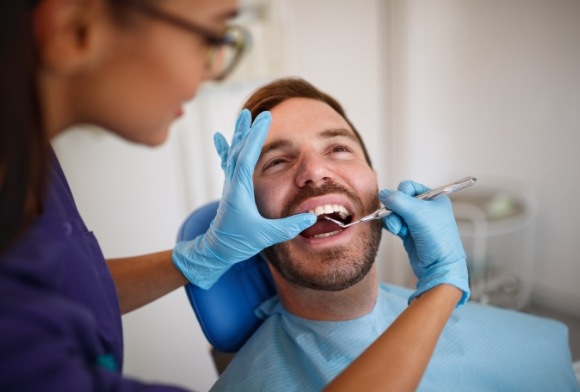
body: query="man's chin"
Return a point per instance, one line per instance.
(323, 270)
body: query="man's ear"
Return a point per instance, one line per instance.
(65, 32)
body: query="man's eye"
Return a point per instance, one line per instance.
(274, 162)
(340, 148)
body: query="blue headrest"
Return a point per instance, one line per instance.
(226, 311)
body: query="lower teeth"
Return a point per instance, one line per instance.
(326, 234)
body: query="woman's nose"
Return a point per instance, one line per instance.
(312, 171)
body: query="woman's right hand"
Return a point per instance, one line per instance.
(430, 237)
(238, 230)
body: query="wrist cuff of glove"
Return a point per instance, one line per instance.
(198, 263)
(454, 275)
(428, 286)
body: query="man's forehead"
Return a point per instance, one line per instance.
(298, 116)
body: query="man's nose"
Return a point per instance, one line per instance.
(312, 171)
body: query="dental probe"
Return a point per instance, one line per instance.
(432, 194)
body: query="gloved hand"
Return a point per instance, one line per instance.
(430, 237)
(238, 231)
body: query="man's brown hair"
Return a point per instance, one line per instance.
(272, 94)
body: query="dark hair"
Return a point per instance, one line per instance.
(272, 94)
(23, 146)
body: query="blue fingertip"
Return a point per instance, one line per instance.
(242, 125)
(219, 140)
(313, 218)
(244, 117)
(262, 117)
(384, 193)
(246, 113)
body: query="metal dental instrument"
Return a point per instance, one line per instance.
(432, 194)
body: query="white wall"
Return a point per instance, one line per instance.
(439, 89)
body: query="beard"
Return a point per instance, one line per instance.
(331, 269)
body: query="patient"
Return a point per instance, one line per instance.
(330, 305)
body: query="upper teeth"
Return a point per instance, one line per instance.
(331, 208)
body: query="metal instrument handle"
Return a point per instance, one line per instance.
(432, 194)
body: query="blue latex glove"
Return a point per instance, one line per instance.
(430, 237)
(238, 231)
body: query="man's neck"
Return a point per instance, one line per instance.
(348, 304)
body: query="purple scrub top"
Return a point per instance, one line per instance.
(60, 322)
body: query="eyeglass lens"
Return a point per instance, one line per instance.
(224, 56)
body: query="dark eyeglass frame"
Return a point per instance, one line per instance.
(237, 37)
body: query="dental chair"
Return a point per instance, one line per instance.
(226, 311)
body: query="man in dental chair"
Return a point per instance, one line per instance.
(330, 305)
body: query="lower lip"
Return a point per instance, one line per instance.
(324, 240)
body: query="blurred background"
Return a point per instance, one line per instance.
(439, 89)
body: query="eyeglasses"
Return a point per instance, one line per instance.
(226, 49)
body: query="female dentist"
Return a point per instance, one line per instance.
(128, 66)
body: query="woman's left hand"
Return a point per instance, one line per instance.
(238, 230)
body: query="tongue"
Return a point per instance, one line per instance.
(320, 227)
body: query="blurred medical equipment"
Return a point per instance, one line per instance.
(432, 194)
(496, 227)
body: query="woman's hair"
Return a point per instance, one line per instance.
(278, 91)
(23, 146)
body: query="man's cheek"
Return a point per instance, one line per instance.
(264, 202)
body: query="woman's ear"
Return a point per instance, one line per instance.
(66, 32)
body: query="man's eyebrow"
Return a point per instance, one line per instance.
(326, 134)
(279, 144)
(338, 132)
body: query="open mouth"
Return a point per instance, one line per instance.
(324, 228)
